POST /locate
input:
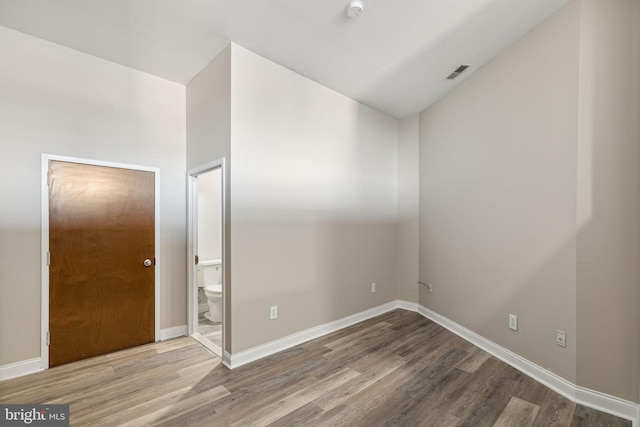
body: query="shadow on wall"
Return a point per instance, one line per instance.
(316, 228)
(488, 259)
(314, 271)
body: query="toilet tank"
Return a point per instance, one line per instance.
(210, 272)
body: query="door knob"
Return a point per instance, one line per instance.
(148, 262)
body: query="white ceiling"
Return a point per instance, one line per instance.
(394, 57)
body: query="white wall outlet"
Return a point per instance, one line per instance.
(429, 287)
(513, 322)
(561, 338)
(273, 312)
(373, 287)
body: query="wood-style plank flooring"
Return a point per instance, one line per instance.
(398, 369)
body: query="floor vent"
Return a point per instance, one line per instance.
(457, 72)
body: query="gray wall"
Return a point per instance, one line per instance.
(407, 228)
(209, 139)
(313, 202)
(608, 197)
(529, 194)
(209, 112)
(498, 197)
(58, 101)
(311, 195)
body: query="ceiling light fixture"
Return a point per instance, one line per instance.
(355, 8)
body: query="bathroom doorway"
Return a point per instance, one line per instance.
(206, 255)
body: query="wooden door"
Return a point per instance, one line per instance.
(101, 231)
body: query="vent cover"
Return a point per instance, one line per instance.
(457, 72)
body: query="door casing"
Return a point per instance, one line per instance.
(44, 298)
(192, 247)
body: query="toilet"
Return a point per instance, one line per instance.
(214, 298)
(212, 275)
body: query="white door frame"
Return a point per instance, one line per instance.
(44, 298)
(192, 244)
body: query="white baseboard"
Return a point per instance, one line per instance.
(30, 366)
(242, 358)
(226, 359)
(21, 368)
(173, 332)
(590, 398)
(406, 305)
(609, 404)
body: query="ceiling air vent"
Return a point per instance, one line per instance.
(457, 72)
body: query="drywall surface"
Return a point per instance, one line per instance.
(313, 202)
(58, 101)
(408, 209)
(608, 356)
(498, 196)
(209, 140)
(209, 112)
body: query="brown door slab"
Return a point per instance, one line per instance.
(101, 231)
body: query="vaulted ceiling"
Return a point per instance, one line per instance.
(394, 57)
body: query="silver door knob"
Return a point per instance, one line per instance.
(148, 262)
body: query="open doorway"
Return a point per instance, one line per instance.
(206, 235)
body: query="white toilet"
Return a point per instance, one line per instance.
(214, 298)
(212, 274)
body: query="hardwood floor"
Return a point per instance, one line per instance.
(398, 369)
(210, 330)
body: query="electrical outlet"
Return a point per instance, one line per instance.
(373, 287)
(513, 322)
(273, 312)
(561, 338)
(429, 287)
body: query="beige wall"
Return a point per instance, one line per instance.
(547, 130)
(209, 112)
(209, 139)
(408, 209)
(498, 197)
(608, 320)
(57, 101)
(313, 202)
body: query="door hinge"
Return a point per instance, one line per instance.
(48, 258)
(197, 260)
(48, 178)
(48, 337)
